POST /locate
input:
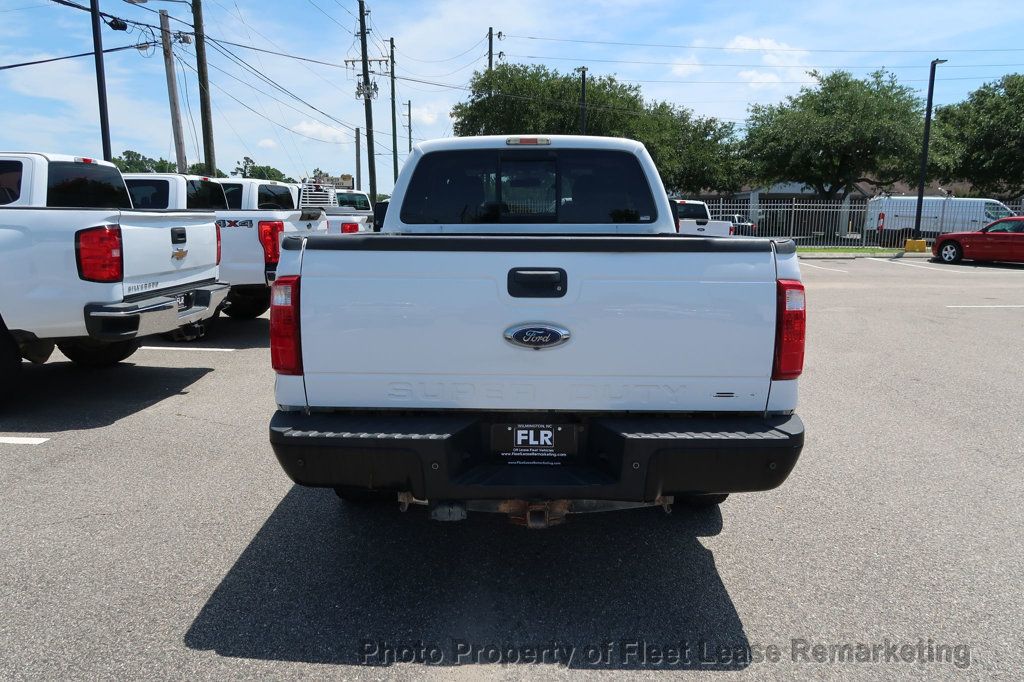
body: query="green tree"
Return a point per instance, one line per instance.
(131, 161)
(840, 132)
(981, 140)
(247, 168)
(200, 169)
(692, 153)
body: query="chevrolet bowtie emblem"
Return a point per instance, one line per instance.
(179, 254)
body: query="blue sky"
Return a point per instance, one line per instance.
(719, 58)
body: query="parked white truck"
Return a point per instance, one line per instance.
(259, 212)
(695, 219)
(81, 269)
(576, 356)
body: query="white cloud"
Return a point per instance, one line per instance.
(424, 115)
(266, 143)
(321, 131)
(687, 66)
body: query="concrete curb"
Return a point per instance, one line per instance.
(821, 255)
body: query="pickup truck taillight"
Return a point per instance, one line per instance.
(349, 228)
(218, 244)
(99, 255)
(790, 330)
(270, 237)
(285, 348)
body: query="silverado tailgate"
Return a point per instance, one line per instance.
(659, 323)
(167, 250)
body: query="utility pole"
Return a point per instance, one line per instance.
(172, 93)
(205, 113)
(394, 118)
(371, 160)
(583, 100)
(101, 79)
(409, 115)
(490, 48)
(359, 164)
(924, 149)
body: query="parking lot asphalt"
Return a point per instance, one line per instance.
(152, 534)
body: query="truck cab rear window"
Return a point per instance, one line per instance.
(274, 197)
(10, 181)
(204, 194)
(693, 212)
(149, 193)
(528, 186)
(352, 200)
(233, 194)
(85, 185)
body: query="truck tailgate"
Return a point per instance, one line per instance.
(167, 249)
(656, 323)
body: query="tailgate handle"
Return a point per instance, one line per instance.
(178, 235)
(537, 282)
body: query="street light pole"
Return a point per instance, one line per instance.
(924, 148)
(101, 79)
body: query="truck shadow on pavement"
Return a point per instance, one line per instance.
(60, 396)
(323, 582)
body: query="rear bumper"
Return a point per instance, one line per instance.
(156, 315)
(444, 456)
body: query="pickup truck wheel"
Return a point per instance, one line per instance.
(97, 354)
(10, 359)
(702, 501)
(362, 496)
(247, 306)
(950, 252)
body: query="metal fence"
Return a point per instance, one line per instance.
(825, 223)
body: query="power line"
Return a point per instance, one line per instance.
(263, 116)
(761, 49)
(139, 46)
(446, 59)
(188, 104)
(759, 66)
(321, 10)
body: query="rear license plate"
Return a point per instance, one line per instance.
(549, 444)
(184, 301)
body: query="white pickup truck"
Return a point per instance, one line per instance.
(523, 353)
(341, 219)
(81, 269)
(259, 212)
(695, 219)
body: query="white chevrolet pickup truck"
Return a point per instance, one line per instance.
(536, 339)
(259, 212)
(81, 269)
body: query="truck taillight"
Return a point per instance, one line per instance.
(218, 244)
(270, 237)
(349, 228)
(790, 330)
(285, 348)
(99, 255)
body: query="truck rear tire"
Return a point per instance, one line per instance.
(90, 353)
(247, 305)
(10, 359)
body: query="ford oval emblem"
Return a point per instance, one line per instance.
(537, 336)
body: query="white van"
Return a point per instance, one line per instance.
(892, 218)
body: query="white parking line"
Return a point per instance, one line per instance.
(18, 440)
(195, 348)
(985, 306)
(915, 265)
(811, 265)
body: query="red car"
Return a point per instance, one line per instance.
(1002, 240)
